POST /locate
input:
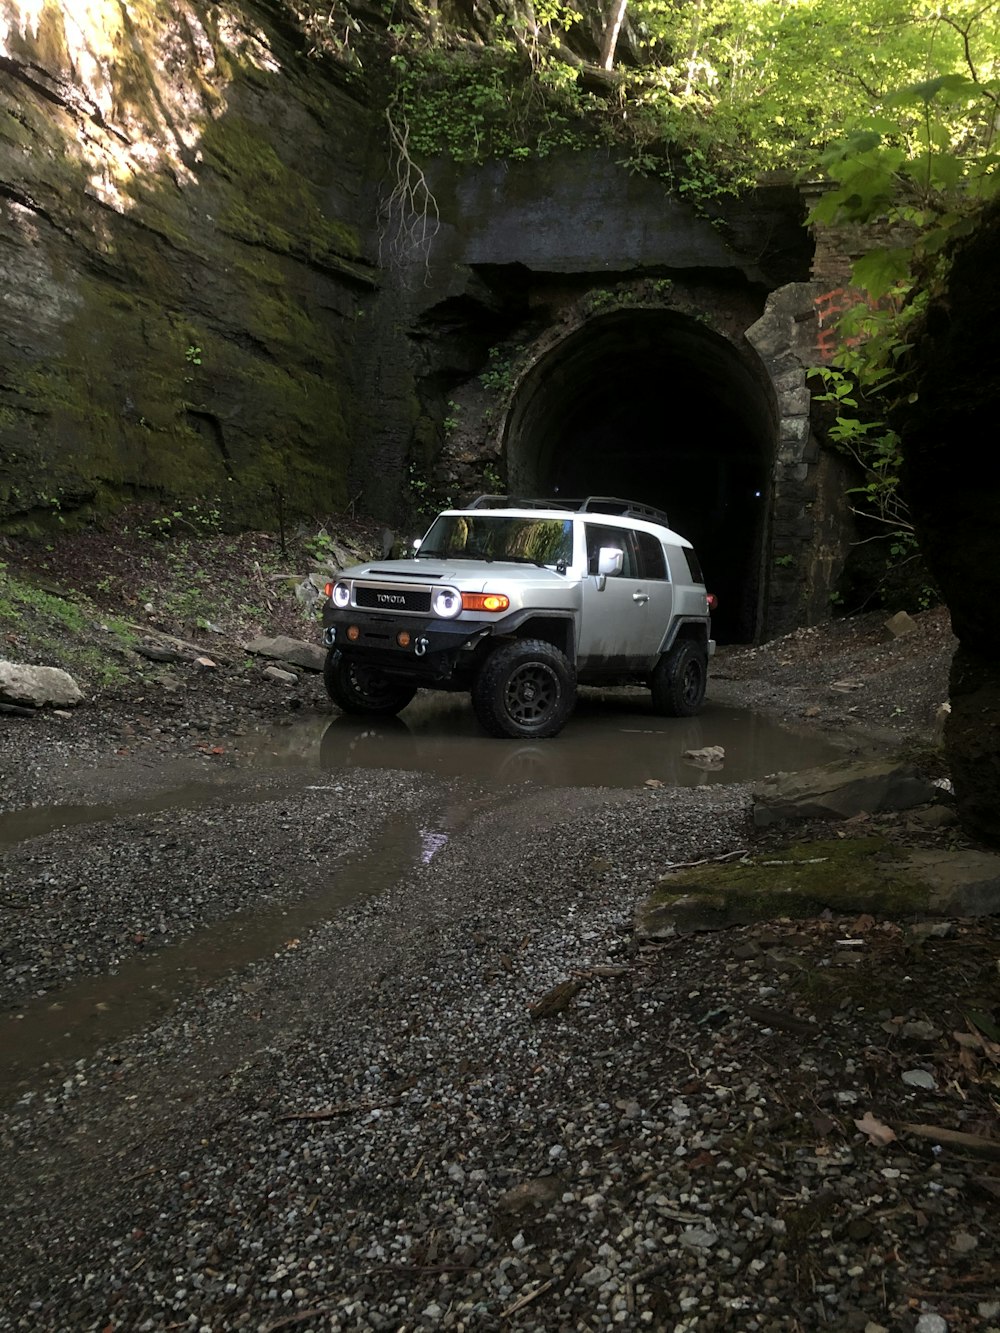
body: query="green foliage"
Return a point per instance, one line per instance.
(486, 103)
(499, 374)
(425, 501)
(714, 92)
(875, 448)
(204, 518)
(922, 173)
(322, 548)
(492, 480)
(19, 599)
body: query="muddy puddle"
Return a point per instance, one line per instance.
(610, 741)
(51, 1033)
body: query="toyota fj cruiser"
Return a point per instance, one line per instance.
(519, 601)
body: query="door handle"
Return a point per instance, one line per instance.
(640, 597)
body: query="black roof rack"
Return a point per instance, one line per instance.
(593, 504)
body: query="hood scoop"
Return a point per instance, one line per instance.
(402, 574)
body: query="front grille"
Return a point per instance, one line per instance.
(399, 599)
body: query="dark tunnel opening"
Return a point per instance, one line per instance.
(654, 406)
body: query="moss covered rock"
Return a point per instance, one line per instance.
(846, 876)
(184, 260)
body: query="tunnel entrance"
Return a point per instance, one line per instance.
(654, 406)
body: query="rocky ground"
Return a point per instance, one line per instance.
(379, 1050)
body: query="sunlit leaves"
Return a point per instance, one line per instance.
(879, 271)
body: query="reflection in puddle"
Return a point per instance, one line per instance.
(609, 742)
(432, 841)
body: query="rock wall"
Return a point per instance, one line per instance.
(952, 480)
(182, 223)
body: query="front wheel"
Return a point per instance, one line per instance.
(525, 689)
(362, 690)
(679, 679)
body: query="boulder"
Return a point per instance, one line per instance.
(38, 686)
(280, 676)
(900, 624)
(841, 790)
(710, 756)
(962, 882)
(298, 652)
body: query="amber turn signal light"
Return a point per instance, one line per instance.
(403, 639)
(353, 633)
(484, 601)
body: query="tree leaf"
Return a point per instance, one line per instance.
(878, 1134)
(880, 270)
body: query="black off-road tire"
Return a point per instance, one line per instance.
(524, 690)
(361, 690)
(679, 679)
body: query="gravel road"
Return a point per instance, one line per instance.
(379, 1051)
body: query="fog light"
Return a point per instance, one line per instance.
(403, 639)
(353, 633)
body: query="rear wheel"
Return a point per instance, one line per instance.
(524, 689)
(363, 690)
(679, 679)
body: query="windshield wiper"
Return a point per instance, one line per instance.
(451, 555)
(530, 560)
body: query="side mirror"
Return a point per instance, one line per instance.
(610, 561)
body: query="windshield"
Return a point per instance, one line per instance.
(538, 541)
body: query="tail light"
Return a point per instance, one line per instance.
(712, 600)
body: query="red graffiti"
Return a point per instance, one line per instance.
(829, 307)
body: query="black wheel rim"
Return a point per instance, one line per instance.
(370, 687)
(691, 683)
(531, 694)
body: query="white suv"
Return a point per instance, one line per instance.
(519, 601)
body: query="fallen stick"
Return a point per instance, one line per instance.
(343, 1108)
(705, 860)
(955, 1138)
(771, 1018)
(526, 1300)
(300, 1318)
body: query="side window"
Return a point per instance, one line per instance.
(651, 562)
(619, 539)
(693, 564)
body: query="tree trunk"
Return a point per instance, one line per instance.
(613, 27)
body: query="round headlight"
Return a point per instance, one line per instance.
(446, 603)
(341, 595)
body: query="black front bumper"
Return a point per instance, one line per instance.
(437, 651)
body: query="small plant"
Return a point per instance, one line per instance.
(492, 480)
(451, 421)
(321, 548)
(602, 298)
(785, 561)
(498, 376)
(425, 502)
(193, 355)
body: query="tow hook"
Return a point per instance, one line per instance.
(330, 635)
(420, 646)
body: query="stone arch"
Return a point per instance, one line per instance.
(656, 404)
